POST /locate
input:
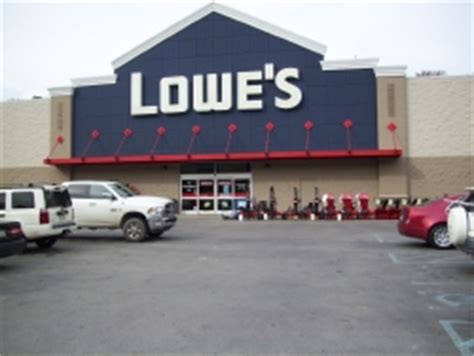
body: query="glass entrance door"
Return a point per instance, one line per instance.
(216, 193)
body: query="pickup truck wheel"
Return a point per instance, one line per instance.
(46, 242)
(135, 230)
(439, 237)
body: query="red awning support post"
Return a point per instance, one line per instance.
(94, 136)
(232, 128)
(125, 135)
(392, 127)
(348, 125)
(196, 130)
(308, 126)
(59, 141)
(269, 127)
(160, 131)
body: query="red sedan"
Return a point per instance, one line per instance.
(427, 222)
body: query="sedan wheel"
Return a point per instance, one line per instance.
(439, 237)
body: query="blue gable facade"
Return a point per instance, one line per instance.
(218, 44)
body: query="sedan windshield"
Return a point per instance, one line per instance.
(122, 190)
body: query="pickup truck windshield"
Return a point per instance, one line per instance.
(122, 190)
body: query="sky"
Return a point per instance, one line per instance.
(46, 44)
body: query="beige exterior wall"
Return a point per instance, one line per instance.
(147, 179)
(61, 125)
(36, 175)
(393, 177)
(441, 135)
(440, 116)
(335, 176)
(24, 143)
(392, 108)
(431, 177)
(25, 130)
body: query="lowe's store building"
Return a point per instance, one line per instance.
(221, 106)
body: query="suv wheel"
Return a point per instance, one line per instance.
(134, 229)
(46, 242)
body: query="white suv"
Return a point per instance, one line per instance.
(107, 204)
(44, 212)
(461, 223)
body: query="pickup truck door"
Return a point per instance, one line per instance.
(104, 208)
(94, 206)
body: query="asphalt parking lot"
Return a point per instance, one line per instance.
(213, 286)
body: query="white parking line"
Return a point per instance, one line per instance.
(431, 283)
(430, 259)
(379, 239)
(455, 300)
(394, 258)
(464, 346)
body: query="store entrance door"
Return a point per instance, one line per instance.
(214, 193)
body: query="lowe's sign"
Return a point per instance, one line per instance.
(218, 71)
(214, 93)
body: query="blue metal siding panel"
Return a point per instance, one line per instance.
(216, 44)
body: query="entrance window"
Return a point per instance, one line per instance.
(189, 188)
(224, 204)
(214, 168)
(242, 187)
(224, 187)
(214, 193)
(206, 204)
(242, 204)
(189, 205)
(206, 187)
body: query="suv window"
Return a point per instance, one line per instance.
(57, 198)
(23, 200)
(97, 192)
(79, 191)
(2, 201)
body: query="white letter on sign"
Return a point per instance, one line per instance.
(245, 89)
(136, 104)
(294, 93)
(212, 103)
(182, 103)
